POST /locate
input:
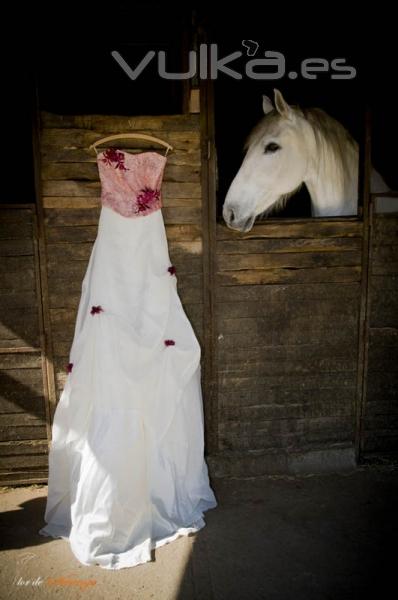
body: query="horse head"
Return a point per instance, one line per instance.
(275, 165)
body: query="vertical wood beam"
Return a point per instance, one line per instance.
(45, 325)
(363, 333)
(208, 159)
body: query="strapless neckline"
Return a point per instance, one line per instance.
(135, 154)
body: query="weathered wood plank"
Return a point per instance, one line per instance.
(293, 398)
(20, 419)
(15, 231)
(383, 350)
(250, 333)
(16, 217)
(302, 381)
(16, 264)
(14, 282)
(316, 408)
(233, 355)
(19, 327)
(381, 384)
(71, 217)
(24, 447)
(66, 234)
(285, 442)
(384, 301)
(16, 247)
(385, 229)
(310, 294)
(236, 316)
(11, 478)
(16, 361)
(385, 260)
(26, 401)
(293, 275)
(385, 405)
(386, 423)
(381, 410)
(28, 462)
(10, 300)
(23, 432)
(380, 441)
(279, 433)
(191, 233)
(9, 380)
(70, 271)
(286, 425)
(61, 349)
(266, 245)
(108, 124)
(57, 138)
(296, 260)
(296, 228)
(281, 366)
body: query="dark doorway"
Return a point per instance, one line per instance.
(238, 103)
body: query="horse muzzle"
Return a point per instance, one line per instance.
(235, 222)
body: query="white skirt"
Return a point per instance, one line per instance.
(127, 472)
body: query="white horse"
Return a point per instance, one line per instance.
(288, 147)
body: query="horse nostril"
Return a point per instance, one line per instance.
(228, 214)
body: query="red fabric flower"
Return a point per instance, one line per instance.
(69, 367)
(169, 342)
(96, 309)
(114, 158)
(146, 198)
(172, 270)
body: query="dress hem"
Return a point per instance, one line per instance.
(122, 560)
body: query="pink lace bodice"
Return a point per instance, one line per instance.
(130, 183)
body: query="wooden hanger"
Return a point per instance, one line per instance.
(140, 136)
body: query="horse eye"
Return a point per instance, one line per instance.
(271, 148)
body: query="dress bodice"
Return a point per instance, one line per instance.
(131, 183)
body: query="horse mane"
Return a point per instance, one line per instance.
(332, 138)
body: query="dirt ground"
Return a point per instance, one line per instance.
(323, 537)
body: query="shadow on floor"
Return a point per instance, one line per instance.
(329, 537)
(290, 538)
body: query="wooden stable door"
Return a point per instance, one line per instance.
(24, 414)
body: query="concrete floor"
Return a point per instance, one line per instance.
(323, 537)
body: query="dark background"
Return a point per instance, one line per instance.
(62, 63)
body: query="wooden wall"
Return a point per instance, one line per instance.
(23, 432)
(71, 204)
(281, 332)
(381, 407)
(287, 305)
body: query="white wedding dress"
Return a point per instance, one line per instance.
(127, 472)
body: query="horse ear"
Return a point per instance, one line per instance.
(267, 105)
(281, 105)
